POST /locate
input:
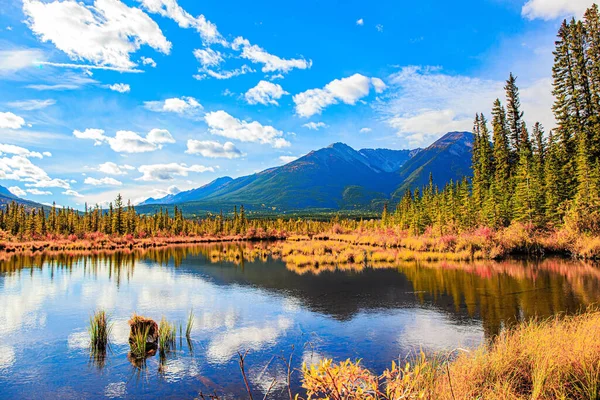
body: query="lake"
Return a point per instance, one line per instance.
(256, 304)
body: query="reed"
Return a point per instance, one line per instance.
(189, 325)
(167, 333)
(558, 358)
(99, 330)
(138, 342)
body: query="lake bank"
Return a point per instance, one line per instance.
(478, 244)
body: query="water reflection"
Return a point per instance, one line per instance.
(244, 299)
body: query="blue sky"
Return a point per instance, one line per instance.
(149, 97)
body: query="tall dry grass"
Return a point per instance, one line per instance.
(557, 358)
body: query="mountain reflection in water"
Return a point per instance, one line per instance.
(244, 298)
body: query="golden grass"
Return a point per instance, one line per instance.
(557, 358)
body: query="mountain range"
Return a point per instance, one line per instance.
(335, 177)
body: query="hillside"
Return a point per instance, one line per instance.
(334, 177)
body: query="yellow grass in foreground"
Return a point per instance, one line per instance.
(552, 359)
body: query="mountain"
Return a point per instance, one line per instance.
(191, 195)
(7, 197)
(334, 177)
(449, 158)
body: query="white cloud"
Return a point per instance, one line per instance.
(18, 150)
(222, 124)
(38, 192)
(315, 126)
(87, 68)
(50, 183)
(212, 149)
(148, 61)
(17, 191)
(120, 87)
(423, 103)
(360, 22)
(366, 130)
(17, 59)
(111, 168)
(183, 105)
(105, 33)
(551, 9)
(30, 105)
(265, 93)
(165, 172)
(11, 121)
(271, 62)
(288, 159)
(379, 27)
(128, 141)
(107, 181)
(204, 73)
(347, 90)
(208, 57)
(47, 154)
(71, 192)
(170, 9)
(170, 190)
(97, 135)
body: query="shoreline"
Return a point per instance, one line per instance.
(337, 245)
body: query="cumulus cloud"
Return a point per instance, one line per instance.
(17, 191)
(423, 103)
(107, 181)
(105, 33)
(315, 126)
(265, 93)
(11, 121)
(204, 73)
(111, 168)
(288, 159)
(170, 9)
(360, 22)
(18, 150)
(38, 192)
(222, 124)
(167, 172)
(128, 141)
(212, 149)
(71, 192)
(347, 90)
(551, 9)
(19, 167)
(30, 105)
(183, 105)
(208, 57)
(271, 62)
(148, 61)
(120, 87)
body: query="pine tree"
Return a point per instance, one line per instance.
(514, 115)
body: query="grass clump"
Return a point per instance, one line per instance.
(554, 359)
(167, 334)
(138, 342)
(99, 330)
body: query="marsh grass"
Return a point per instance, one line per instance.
(167, 335)
(139, 342)
(99, 330)
(558, 358)
(189, 325)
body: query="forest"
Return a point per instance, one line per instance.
(542, 187)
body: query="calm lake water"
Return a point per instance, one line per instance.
(261, 306)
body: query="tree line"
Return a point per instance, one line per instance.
(520, 174)
(120, 219)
